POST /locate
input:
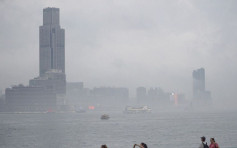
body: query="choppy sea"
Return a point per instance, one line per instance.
(87, 130)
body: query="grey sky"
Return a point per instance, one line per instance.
(127, 42)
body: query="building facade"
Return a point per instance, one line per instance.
(141, 94)
(51, 42)
(48, 89)
(27, 98)
(52, 80)
(198, 81)
(52, 53)
(199, 88)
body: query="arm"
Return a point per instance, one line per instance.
(136, 145)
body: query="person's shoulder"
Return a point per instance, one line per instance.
(201, 145)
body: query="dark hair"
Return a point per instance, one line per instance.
(213, 139)
(104, 146)
(144, 145)
(203, 138)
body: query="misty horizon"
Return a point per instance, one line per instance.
(127, 44)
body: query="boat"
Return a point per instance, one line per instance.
(143, 109)
(104, 117)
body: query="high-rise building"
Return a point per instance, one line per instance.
(199, 90)
(52, 53)
(48, 89)
(198, 81)
(51, 42)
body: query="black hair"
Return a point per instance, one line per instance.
(144, 145)
(203, 138)
(213, 139)
(104, 146)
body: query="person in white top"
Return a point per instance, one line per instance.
(203, 145)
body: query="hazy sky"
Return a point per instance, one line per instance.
(130, 43)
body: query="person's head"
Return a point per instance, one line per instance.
(104, 146)
(203, 139)
(143, 145)
(212, 140)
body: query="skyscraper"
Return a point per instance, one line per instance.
(198, 81)
(52, 53)
(51, 42)
(48, 89)
(199, 90)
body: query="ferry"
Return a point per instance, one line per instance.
(143, 109)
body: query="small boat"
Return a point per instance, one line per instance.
(131, 110)
(104, 117)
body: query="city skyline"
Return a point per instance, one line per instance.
(134, 47)
(74, 73)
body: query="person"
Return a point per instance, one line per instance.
(142, 145)
(213, 144)
(104, 146)
(203, 145)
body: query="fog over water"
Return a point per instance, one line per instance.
(126, 44)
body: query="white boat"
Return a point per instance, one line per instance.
(104, 117)
(144, 109)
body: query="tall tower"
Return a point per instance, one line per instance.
(198, 83)
(51, 42)
(51, 54)
(199, 80)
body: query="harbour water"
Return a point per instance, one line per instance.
(87, 130)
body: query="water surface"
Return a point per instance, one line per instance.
(87, 130)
